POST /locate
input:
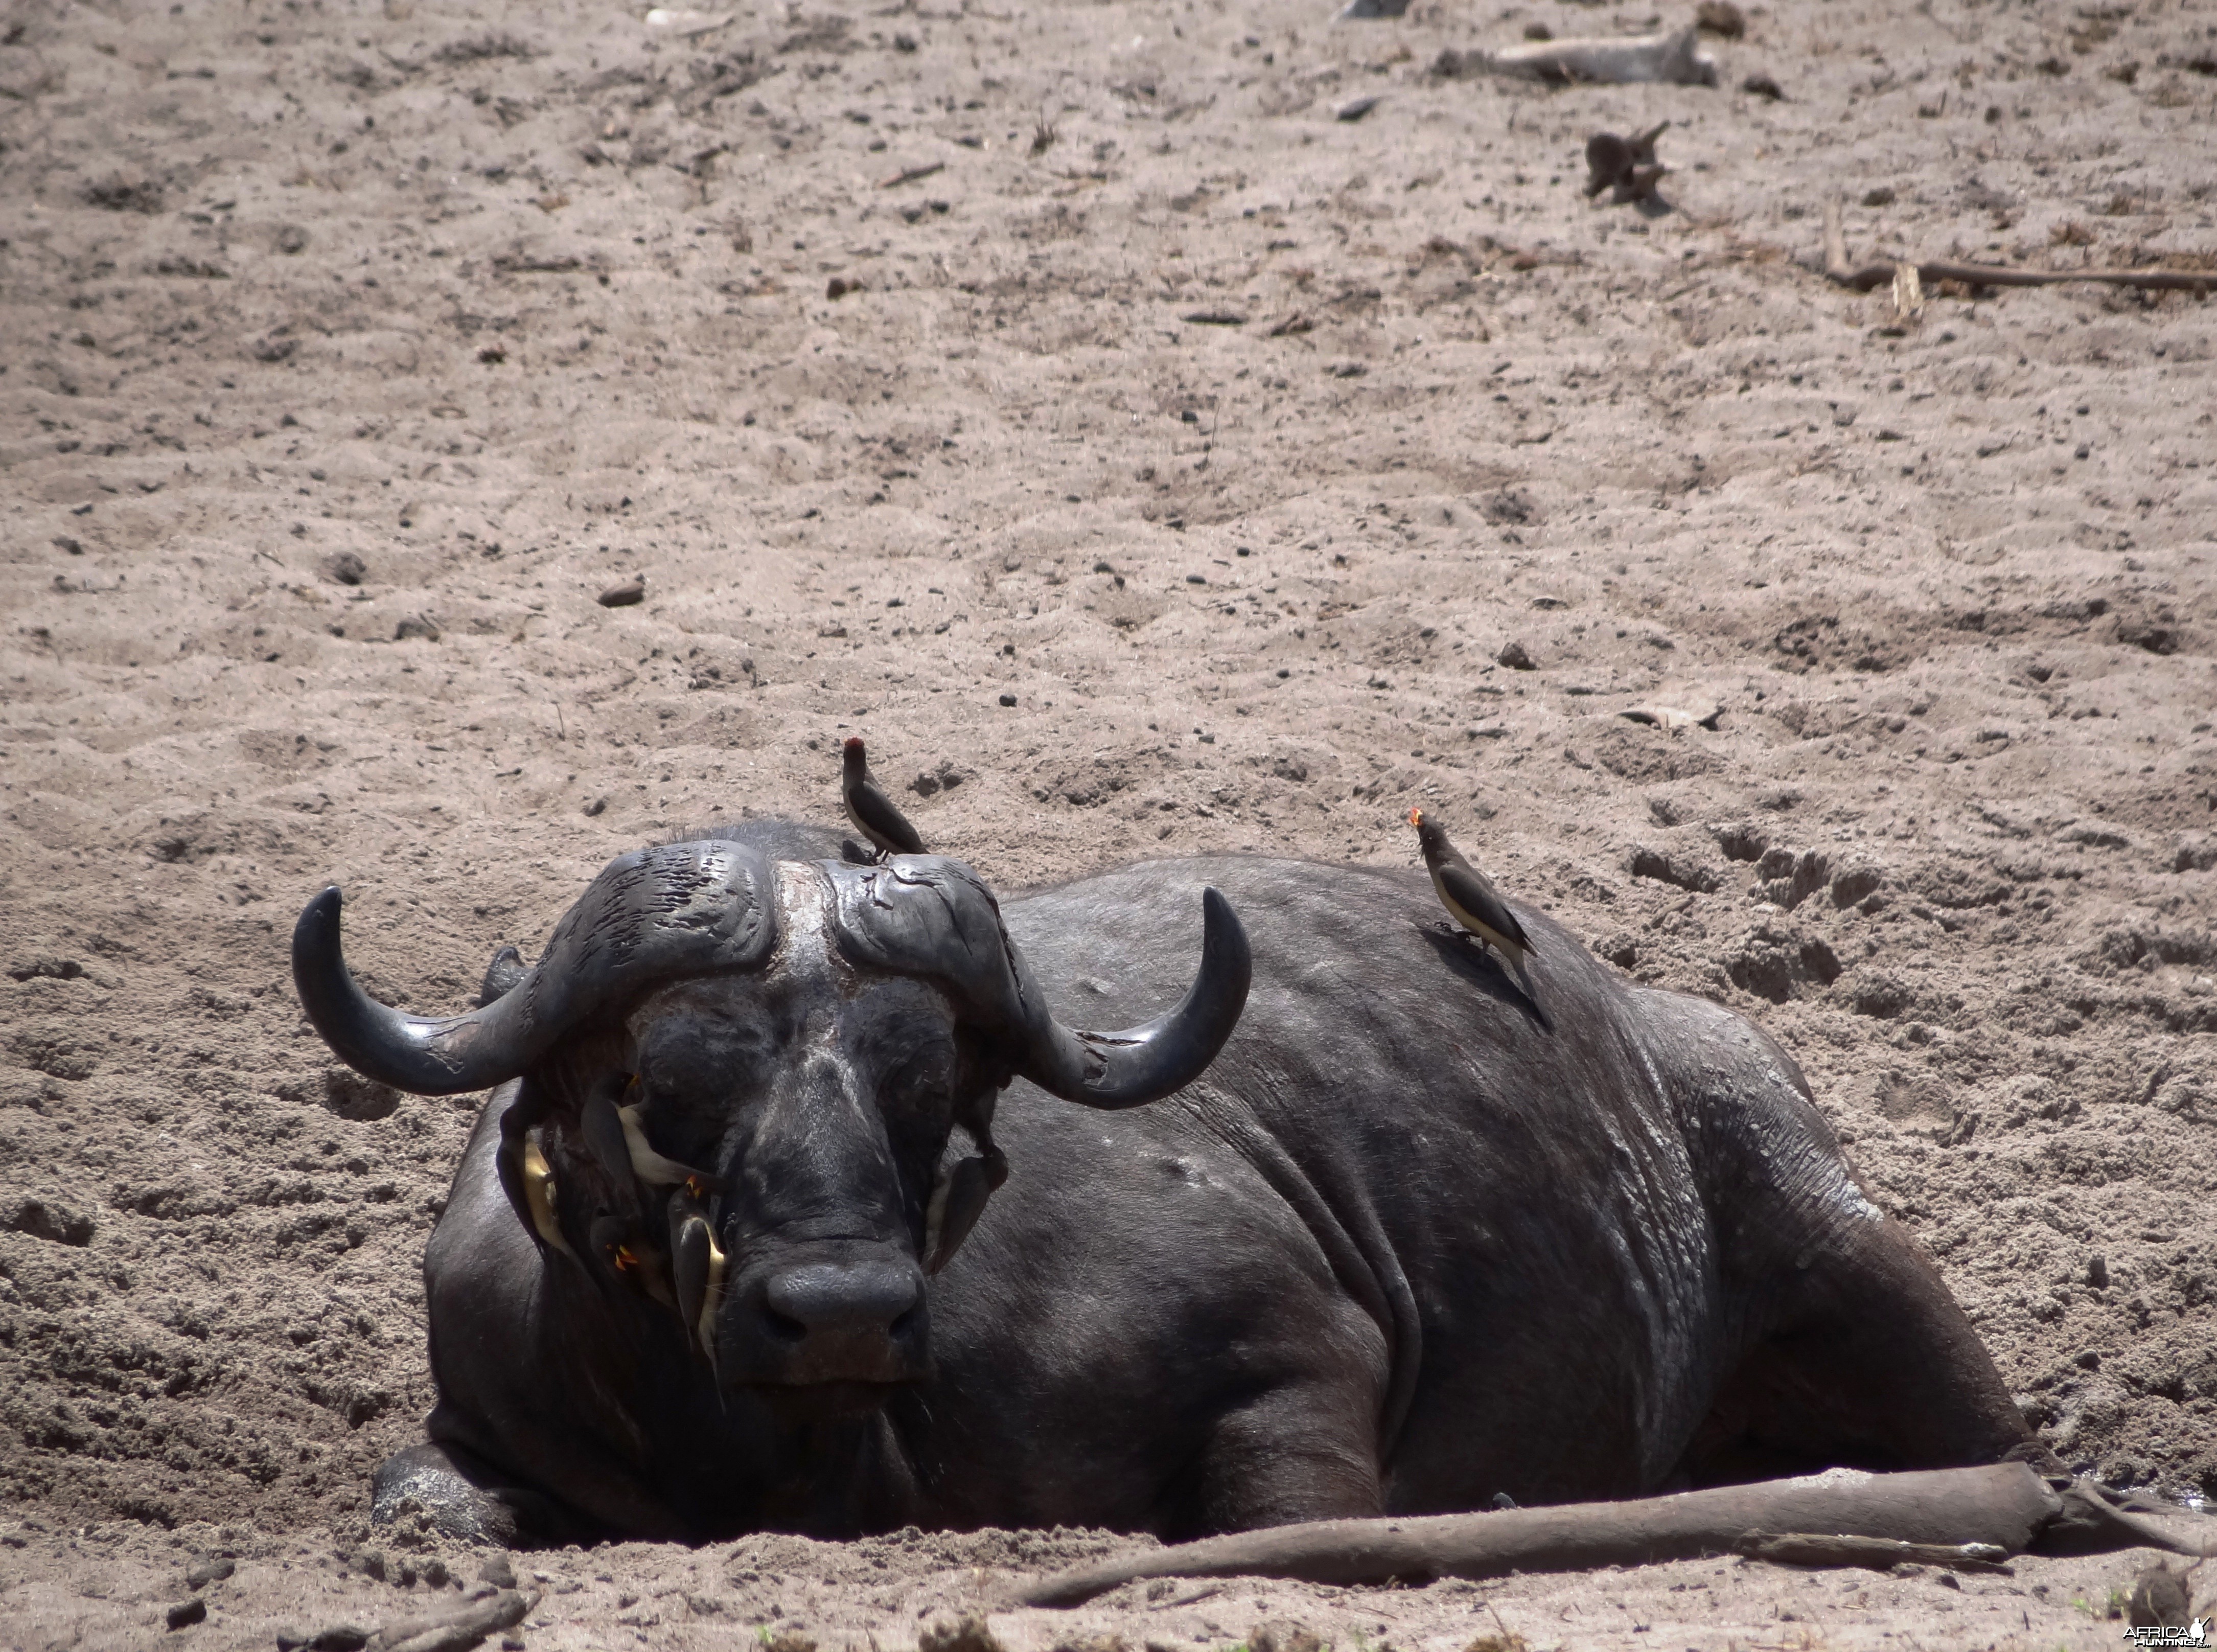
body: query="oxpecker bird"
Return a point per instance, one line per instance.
(870, 809)
(1470, 898)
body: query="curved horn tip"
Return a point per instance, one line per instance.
(318, 927)
(420, 1054)
(1223, 937)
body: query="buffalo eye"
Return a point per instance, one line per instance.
(922, 1082)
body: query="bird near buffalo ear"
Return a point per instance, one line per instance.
(1467, 893)
(873, 812)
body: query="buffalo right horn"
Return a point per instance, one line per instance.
(927, 915)
(679, 909)
(1149, 1061)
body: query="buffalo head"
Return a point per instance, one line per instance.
(741, 1078)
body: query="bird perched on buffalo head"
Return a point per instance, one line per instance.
(1467, 893)
(869, 808)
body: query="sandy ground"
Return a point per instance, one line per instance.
(1166, 470)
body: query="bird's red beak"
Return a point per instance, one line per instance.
(1417, 818)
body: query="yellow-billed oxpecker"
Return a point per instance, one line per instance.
(1466, 892)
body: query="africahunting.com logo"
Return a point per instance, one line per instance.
(2195, 1634)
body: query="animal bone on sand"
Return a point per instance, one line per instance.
(1672, 59)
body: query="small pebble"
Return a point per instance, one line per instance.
(629, 594)
(1721, 18)
(208, 1568)
(187, 1612)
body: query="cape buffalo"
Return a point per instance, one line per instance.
(725, 1252)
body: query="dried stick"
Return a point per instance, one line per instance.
(1837, 268)
(2006, 1505)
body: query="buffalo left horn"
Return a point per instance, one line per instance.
(678, 909)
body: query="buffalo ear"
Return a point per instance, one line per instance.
(524, 1172)
(957, 1202)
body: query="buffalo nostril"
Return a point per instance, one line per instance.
(784, 1326)
(843, 1298)
(904, 1326)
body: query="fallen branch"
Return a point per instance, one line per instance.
(1837, 268)
(2006, 1505)
(910, 174)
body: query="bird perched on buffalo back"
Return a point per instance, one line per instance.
(1468, 896)
(870, 809)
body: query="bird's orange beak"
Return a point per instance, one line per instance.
(1417, 817)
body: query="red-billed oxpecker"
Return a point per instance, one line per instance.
(870, 809)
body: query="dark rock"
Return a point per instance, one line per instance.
(496, 1570)
(186, 1613)
(208, 1568)
(415, 625)
(1513, 656)
(1720, 18)
(629, 594)
(47, 969)
(55, 1223)
(346, 568)
(969, 1635)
